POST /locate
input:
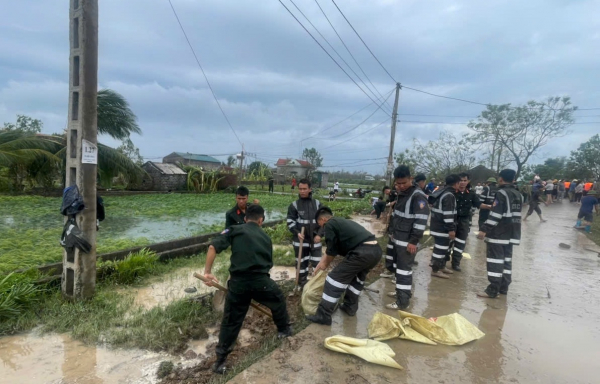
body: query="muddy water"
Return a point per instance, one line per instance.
(545, 331)
(166, 289)
(371, 224)
(58, 359)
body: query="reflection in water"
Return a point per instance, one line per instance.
(31, 359)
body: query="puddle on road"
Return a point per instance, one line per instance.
(371, 224)
(32, 359)
(280, 273)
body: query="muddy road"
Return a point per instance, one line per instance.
(545, 331)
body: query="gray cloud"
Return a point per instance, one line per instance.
(278, 87)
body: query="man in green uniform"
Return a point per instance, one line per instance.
(235, 216)
(361, 253)
(251, 261)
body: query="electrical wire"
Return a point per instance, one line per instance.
(328, 54)
(203, 73)
(337, 53)
(347, 49)
(354, 137)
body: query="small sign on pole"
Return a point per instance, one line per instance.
(89, 152)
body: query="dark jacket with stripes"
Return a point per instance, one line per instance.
(301, 213)
(487, 194)
(503, 226)
(409, 219)
(443, 212)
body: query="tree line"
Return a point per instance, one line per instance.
(506, 135)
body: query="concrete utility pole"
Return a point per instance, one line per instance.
(242, 165)
(79, 269)
(390, 165)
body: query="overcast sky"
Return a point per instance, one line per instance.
(278, 87)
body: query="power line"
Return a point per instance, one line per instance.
(328, 54)
(347, 49)
(445, 122)
(354, 137)
(445, 97)
(203, 73)
(365, 44)
(334, 50)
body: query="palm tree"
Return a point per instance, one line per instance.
(115, 118)
(39, 157)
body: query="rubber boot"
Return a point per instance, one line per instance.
(578, 224)
(219, 366)
(588, 229)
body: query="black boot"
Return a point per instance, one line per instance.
(219, 365)
(456, 267)
(320, 317)
(287, 332)
(344, 308)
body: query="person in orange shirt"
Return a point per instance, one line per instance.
(587, 187)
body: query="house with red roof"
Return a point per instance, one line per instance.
(293, 167)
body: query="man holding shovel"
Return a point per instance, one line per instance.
(301, 215)
(251, 260)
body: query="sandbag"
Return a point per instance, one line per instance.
(369, 350)
(312, 293)
(466, 255)
(452, 329)
(384, 327)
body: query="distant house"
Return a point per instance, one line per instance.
(480, 174)
(163, 177)
(204, 161)
(293, 167)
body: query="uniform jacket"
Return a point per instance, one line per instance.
(342, 236)
(443, 212)
(487, 196)
(301, 214)
(234, 216)
(503, 225)
(465, 201)
(251, 249)
(409, 219)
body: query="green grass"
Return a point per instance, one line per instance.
(31, 226)
(595, 235)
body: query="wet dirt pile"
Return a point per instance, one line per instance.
(256, 328)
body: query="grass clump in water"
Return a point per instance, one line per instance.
(18, 293)
(129, 270)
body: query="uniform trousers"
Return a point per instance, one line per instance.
(483, 216)
(499, 268)
(457, 246)
(440, 249)
(241, 291)
(309, 258)
(403, 275)
(348, 279)
(390, 256)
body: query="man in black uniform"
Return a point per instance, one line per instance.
(271, 185)
(487, 198)
(251, 261)
(443, 225)
(465, 200)
(301, 214)
(235, 216)
(409, 221)
(501, 231)
(361, 253)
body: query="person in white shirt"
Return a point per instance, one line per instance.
(478, 189)
(336, 187)
(548, 191)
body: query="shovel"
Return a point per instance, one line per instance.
(300, 249)
(222, 288)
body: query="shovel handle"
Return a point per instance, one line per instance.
(299, 257)
(222, 288)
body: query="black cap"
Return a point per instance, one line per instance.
(321, 210)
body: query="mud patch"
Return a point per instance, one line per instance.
(34, 359)
(371, 224)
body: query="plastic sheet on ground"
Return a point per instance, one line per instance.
(452, 329)
(466, 255)
(312, 293)
(369, 350)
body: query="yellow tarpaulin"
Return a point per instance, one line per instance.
(466, 255)
(369, 350)
(452, 329)
(312, 293)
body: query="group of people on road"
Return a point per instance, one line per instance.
(447, 208)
